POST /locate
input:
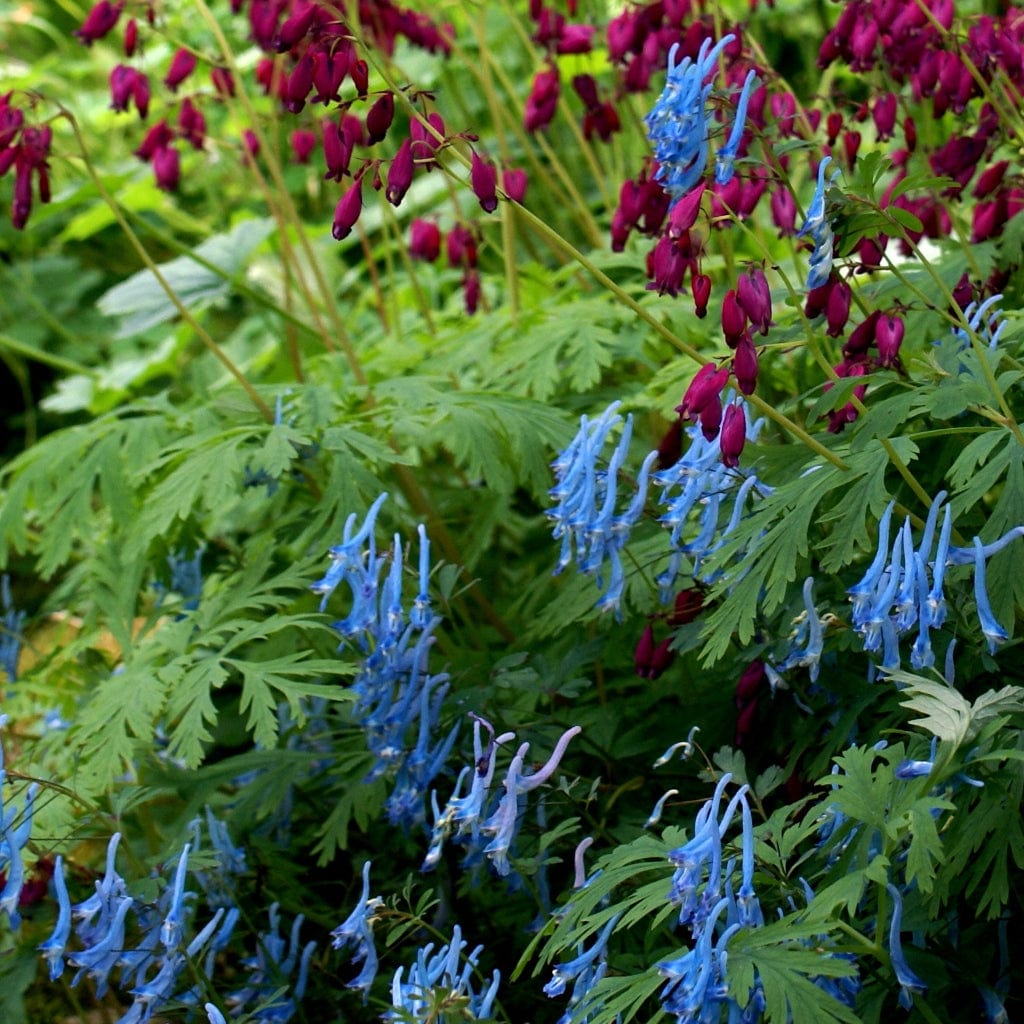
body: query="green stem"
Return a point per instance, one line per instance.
(222, 357)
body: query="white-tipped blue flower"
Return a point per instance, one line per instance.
(820, 230)
(994, 633)
(53, 948)
(910, 984)
(727, 154)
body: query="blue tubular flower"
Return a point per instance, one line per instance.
(727, 154)
(988, 328)
(357, 931)
(936, 601)
(53, 948)
(584, 516)
(994, 633)
(504, 822)
(10, 631)
(862, 592)
(909, 982)
(213, 1015)
(170, 931)
(12, 841)
(818, 227)
(440, 978)
(678, 124)
(964, 556)
(659, 808)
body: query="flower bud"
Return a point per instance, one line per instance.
(158, 137)
(471, 290)
(700, 285)
(99, 21)
(483, 178)
(888, 337)
(784, 211)
(744, 364)
(460, 245)
(167, 168)
(543, 100)
(755, 298)
(359, 72)
(379, 118)
(705, 387)
(192, 124)
(400, 173)
(346, 213)
(131, 37)
(514, 182)
(687, 607)
(837, 309)
(337, 149)
(294, 28)
(182, 65)
(734, 319)
(834, 125)
(424, 240)
(851, 143)
(684, 212)
(734, 435)
(710, 418)
(303, 143)
(884, 115)
(425, 143)
(329, 70)
(223, 82)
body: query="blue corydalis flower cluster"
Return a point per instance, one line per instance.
(587, 968)
(487, 824)
(806, 643)
(988, 327)
(714, 909)
(154, 969)
(15, 831)
(270, 971)
(818, 227)
(356, 932)
(10, 631)
(441, 980)
(678, 124)
(586, 495)
(694, 491)
(896, 595)
(395, 695)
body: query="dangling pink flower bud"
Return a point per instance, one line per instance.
(734, 318)
(192, 124)
(784, 212)
(837, 309)
(424, 240)
(294, 28)
(400, 173)
(817, 299)
(167, 168)
(888, 337)
(514, 182)
(122, 82)
(471, 290)
(99, 21)
(425, 143)
(379, 118)
(359, 72)
(303, 142)
(543, 100)
(21, 205)
(131, 37)
(159, 136)
(884, 115)
(683, 214)
(460, 245)
(744, 364)
(183, 63)
(140, 94)
(755, 298)
(329, 70)
(990, 179)
(851, 143)
(700, 285)
(705, 387)
(862, 337)
(963, 293)
(337, 149)
(223, 82)
(734, 435)
(483, 177)
(346, 213)
(710, 418)
(298, 84)
(644, 651)
(250, 143)
(834, 125)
